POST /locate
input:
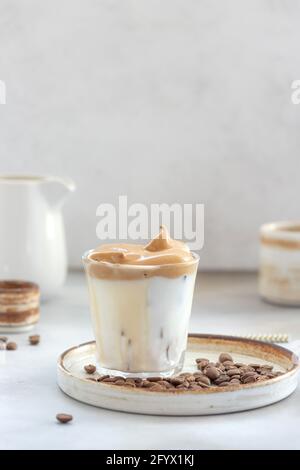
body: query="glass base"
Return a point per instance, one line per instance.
(142, 374)
(9, 329)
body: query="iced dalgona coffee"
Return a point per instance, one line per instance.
(141, 298)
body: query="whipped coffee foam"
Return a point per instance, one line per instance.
(141, 298)
(164, 257)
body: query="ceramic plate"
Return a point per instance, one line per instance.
(73, 380)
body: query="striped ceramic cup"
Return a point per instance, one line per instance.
(19, 305)
(279, 277)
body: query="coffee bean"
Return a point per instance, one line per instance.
(223, 384)
(139, 384)
(184, 384)
(262, 377)
(225, 357)
(235, 381)
(235, 377)
(264, 371)
(130, 381)
(248, 374)
(211, 364)
(195, 387)
(34, 339)
(190, 378)
(90, 368)
(227, 363)
(109, 380)
(239, 364)
(3, 339)
(129, 384)
(11, 346)
(249, 379)
(164, 383)
(64, 418)
(156, 388)
(102, 377)
(232, 372)
(201, 359)
(137, 380)
(119, 382)
(170, 386)
(203, 385)
(227, 368)
(181, 387)
(212, 373)
(147, 384)
(176, 380)
(202, 365)
(222, 378)
(255, 366)
(203, 379)
(245, 370)
(153, 379)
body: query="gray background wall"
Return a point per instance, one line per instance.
(165, 101)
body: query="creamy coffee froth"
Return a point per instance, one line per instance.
(162, 256)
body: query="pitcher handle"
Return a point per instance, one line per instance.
(56, 189)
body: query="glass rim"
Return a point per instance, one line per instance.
(86, 260)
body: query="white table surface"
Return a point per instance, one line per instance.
(30, 397)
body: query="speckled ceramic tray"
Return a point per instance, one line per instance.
(74, 382)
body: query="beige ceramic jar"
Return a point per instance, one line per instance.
(279, 278)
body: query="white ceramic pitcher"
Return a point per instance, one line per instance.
(32, 238)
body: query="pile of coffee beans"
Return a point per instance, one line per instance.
(223, 373)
